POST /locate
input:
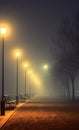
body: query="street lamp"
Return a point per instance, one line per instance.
(30, 89)
(45, 67)
(17, 54)
(3, 32)
(26, 65)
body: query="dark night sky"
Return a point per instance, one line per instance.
(34, 23)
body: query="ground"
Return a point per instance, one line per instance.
(40, 115)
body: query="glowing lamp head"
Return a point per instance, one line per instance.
(45, 66)
(3, 31)
(17, 54)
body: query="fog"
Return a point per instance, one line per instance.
(36, 30)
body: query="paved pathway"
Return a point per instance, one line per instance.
(38, 115)
(8, 114)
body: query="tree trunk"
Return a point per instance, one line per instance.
(67, 87)
(73, 89)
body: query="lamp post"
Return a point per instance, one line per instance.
(3, 31)
(25, 80)
(30, 74)
(26, 65)
(17, 54)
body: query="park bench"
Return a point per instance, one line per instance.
(9, 103)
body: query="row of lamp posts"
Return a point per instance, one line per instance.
(30, 72)
(3, 31)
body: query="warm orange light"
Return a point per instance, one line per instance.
(3, 30)
(17, 54)
(30, 71)
(36, 80)
(26, 65)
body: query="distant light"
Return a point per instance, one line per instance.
(45, 66)
(26, 65)
(17, 54)
(3, 30)
(36, 80)
(30, 71)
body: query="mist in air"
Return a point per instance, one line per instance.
(44, 33)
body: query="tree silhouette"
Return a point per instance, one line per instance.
(67, 45)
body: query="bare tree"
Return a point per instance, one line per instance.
(68, 59)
